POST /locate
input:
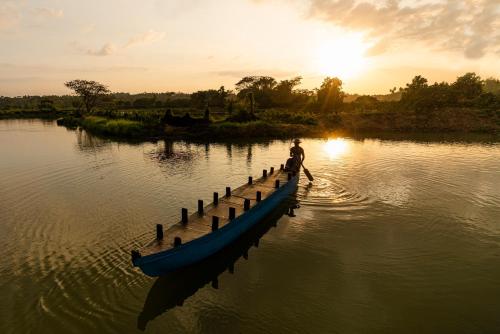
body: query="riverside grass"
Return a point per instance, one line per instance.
(277, 123)
(114, 127)
(234, 130)
(136, 129)
(299, 124)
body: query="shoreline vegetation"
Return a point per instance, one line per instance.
(261, 107)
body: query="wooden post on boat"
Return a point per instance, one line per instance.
(135, 254)
(271, 171)
(184, 215)
(200, 206)
(159, 231)
(228, 191)
(177, 241)
(215, 223)
(258, 196)
(246, 204)
(232, 213)
(250, 180)
(277, 184)
(289, 176)
(216, 198)
(264, 173)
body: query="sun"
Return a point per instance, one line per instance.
(335, 147)
(341, 57)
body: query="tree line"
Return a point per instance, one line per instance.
(265, 92)
(468, 90)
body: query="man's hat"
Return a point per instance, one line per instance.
(297, 141)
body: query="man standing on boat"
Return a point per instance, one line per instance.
(297, 156)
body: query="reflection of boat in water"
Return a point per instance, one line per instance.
(217, 225)
(173, 289)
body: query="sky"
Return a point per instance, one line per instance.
(188, 45)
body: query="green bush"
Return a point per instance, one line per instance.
(288, 117)
(113, 127)
(233, 130)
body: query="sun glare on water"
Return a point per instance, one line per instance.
(343, 58)
(335, 147)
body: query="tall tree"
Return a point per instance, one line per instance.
(283, 94)
(468, 86)
(491, 85)
(260, 86)
(89, 92)
(213, 98)
(330, 95)
(415, 91)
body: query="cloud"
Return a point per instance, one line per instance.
(88, 28)
(469, 26)
(9, 15)
(12, 68)
(378, 49)
(109, 48)
(175, 9)
(106, 50)
(47, 13)
(14, 14)
(150, 36)
(243, 73)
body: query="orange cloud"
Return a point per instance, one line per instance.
(469, 26)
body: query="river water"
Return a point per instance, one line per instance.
(392, 236)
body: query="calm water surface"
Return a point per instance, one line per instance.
(393, 236)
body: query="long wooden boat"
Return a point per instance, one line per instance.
(215, 226)
(169, 291)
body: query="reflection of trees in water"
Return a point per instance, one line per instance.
(173, 289)
(168, 151)
(181, 154)
(47, 123)
(207, 150)
(172, 154)
(229, 150)
(244, 148)
(88, 143)
(264, 145)
(249, 155)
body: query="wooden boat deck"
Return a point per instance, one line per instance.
(201, 224)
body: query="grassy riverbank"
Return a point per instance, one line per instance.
(287, 124)
(116, 127)
(216, 130)
(232, 130)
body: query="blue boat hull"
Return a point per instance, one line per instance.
(196, 250)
